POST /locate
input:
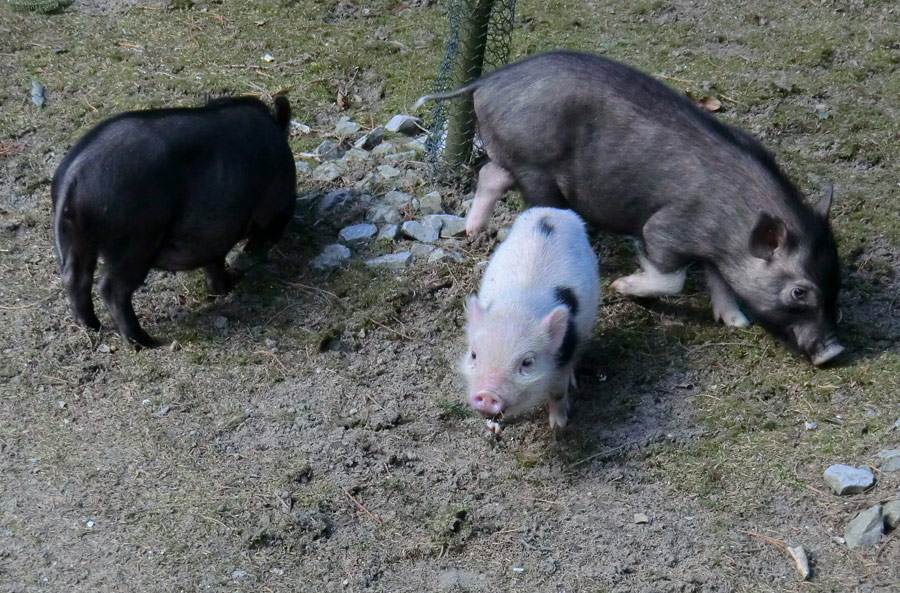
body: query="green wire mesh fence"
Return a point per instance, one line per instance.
(480, 40)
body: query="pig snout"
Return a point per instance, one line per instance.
(824, 351)
(486, 402)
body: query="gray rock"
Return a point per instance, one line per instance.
(391, 261)
(346, 127)
(420, 232)
(430, 203)
(890, 512)
(357, 233)
(439, 255)
(326, 172)
(405, 124)
(381, 213)
(891, 459)
(38, 93)
(383, 149)
(389, 232)
(418, 144)
(451, 226)
(388, 172)
(301, 166)
(865, 529)
(897, 423)
(337, 198)
(399, 199)
(221, 322)
(331, 257)
(846, 479)
(239, 575)
(330, 150)
(503, 233)
(356, 154)
(399, 157)
(420, 250)
(370, 140)
(367, 183)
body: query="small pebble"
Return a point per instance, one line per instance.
(641, 518)
(810, 425)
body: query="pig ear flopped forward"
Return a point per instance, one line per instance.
(823, 206)
(555, 324)
(767, 235)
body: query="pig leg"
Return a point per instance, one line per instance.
(119, 281)
(725, 307)
(262, 237)
(78, 276)
(558, 403)
(217, 282)
(650, 281)
(493, 180)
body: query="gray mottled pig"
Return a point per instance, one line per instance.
(632, 156)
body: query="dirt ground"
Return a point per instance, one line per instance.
(309, 431)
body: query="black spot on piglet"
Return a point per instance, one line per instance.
(545, 227)
(566, 296)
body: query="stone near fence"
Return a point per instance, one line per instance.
(420, 250)
(388, 172)
(326, 172)
(404, 124)
(329, 150)
(346, 127)
(331, 257)
(389, 232)
(890, 512)
(370, 140)
(440, 254)
(357, 233)
(392, 261)
(383, 149)
(846, 479)
(384, 213)
(356, 154)
(865, 528)
(420, 232)
(336, 198)
(399, 199)
(430, 203)
(891, 459)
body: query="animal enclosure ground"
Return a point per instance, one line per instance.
(309, 431)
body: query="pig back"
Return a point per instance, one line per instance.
(547, 253)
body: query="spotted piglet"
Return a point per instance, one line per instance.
(537, 305)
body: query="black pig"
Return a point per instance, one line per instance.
(630, 155)
(173, 189)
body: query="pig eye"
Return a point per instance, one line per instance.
(527, 362)
(473, 355)
(798, 294)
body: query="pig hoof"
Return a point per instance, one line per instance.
(626, 285)
(732, 318)
(559, 414)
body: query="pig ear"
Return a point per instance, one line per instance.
(474, 312)
(823, 206)
(767, 236)
(555, 323)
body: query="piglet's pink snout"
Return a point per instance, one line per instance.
(486, 402)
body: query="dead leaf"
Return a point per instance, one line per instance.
(340, 99)
(259, 23)
(9, 147)
(710, 103)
